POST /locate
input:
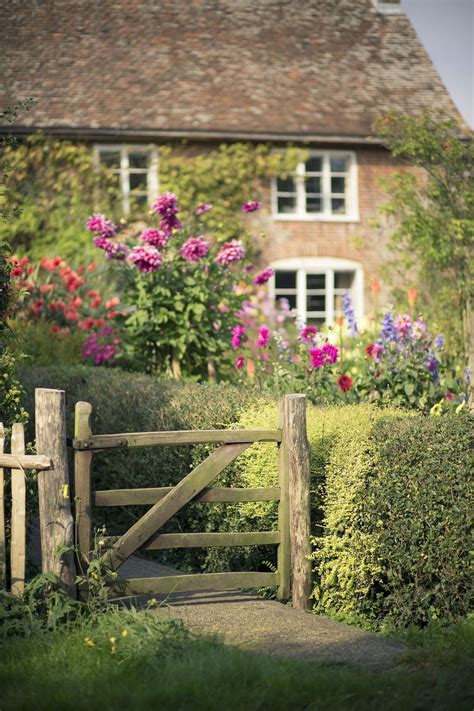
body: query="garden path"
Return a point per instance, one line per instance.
(268, 627)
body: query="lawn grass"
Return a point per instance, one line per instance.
(142, 661)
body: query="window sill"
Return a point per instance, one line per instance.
(315, 218)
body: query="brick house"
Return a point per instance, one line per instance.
(129, 75)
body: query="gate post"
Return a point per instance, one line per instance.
(297, 460)
(56, 521)
(82, 480)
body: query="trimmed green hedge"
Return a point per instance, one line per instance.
(392, 503)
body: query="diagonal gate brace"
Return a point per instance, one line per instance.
(164, 509)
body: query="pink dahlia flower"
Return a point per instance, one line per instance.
(146, 259)
(166, 205)
(263, 336)
(99, 223)
(230, 252)
(239, 362)
(327, 355)
(194, 249)
(307, 334)
(237, 334)
(263, 277)
(250, 206)
(154, 237)
(202, 208)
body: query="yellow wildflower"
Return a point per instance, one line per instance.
(153, 602)
(89, 642)
(124, 633)
(460, 407)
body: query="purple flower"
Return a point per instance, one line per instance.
(263, 336)
(99, 223)
(263, 277)
(237, 334)
(194, 249)
(439, 341)
(308, 333)
(230, 252)
(116, 250)
(154, 237)
(202, 208)
(146, 259)
(167, 206)
(388, 330)
(432, 365)
(348, 311)
(404, 325)
(327, 355)
(168, 224)
(250, 206)
(101, 242)
(97, 348)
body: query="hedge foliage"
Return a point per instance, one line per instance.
(391, 510)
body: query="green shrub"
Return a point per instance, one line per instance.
(125, 402)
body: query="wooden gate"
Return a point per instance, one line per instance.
(293, 542)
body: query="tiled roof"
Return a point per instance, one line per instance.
(269, 67)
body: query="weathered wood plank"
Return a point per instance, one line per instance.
(203, 540)
(299, 474)
(180, 495)
(148, 439)
(135, 497)
(82, 480)
(186, 583)
(56, 521)
(26, 461)
(18, 516)
(3, 551)
(283, 553)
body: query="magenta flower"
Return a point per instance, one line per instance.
(167, 206)
(237, 334)
(263, 336)
(404, 324)
(146, 259)
(327, 355)
(194, 249)
(307, 334)
(116, 250)
(101, 242)
(154, 237)
(239, 362)
(263, 277)
(99, 223)
(202, 208)
(230, 252)
(250, 206)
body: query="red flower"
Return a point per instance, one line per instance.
(112, 302)
(344, 382)
(44, 288)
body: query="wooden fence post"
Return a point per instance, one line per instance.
(284, 551)
(3, 551)
(298, 460)
(18, 516)
(82, 480)
(56, 521)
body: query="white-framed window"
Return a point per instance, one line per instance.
(323, 188)
(314, 287)
(135, 168)
(388, 7)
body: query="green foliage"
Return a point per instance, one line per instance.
(225, 177)
(53, 185)
(397, 539)
(435, 216)
(37, 345)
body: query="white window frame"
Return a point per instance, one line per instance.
(351, 194)
(327, 266)
(125, 170)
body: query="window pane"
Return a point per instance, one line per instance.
(285, 280)
(138, 201)
(316, 281)
(316, 302)
(286, 204)
(343, 280)
(138, 181)
(338, 165)
(338, 185)
(315, 322)
(110, 158)
(138, 159)
(290, 298)
(313, 185)
(314, 165)
(286, 185)
(338, 206)
(314, 204)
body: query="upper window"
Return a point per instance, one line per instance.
(314, 287)
(136, 173)
(323, 188)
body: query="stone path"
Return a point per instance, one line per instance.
(268, 627)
